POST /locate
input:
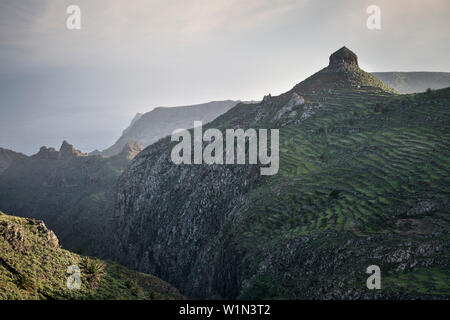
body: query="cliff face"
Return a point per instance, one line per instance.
(338, 204)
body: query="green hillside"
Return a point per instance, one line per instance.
(33, 266)
(363, 181)
(366, 177)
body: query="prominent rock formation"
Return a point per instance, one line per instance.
(341, 73)
(46, 153)
(131, 149)
(68, 151)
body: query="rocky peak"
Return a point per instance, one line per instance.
(343, 59)
(131, 149)
(267, 98)
(68, 151)
(46, 153)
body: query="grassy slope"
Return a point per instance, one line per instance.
(33, 266)
(363, 180)
(358, 168)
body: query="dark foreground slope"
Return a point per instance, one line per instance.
(413, 82)
(363, 181)
(71, 192)
(33, 266)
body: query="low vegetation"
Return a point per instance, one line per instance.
(33, 266)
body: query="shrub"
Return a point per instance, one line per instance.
(25, 282)
(334, 194)
(93, 270)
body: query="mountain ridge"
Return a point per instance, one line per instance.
(151, 126)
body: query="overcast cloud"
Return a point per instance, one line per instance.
(131, 56)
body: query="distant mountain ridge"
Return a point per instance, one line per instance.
(149, 127)
(411, 82)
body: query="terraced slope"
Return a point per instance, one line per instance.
(359, 184)
(363, 181)
(33, 266)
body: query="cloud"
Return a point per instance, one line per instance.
(117, 31)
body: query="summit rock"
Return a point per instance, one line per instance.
(343, 59)
(68, 151)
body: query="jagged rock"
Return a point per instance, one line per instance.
(131, 149)
(50, 239)
(67, 151)
(13, 234)
(295, 100)
(46, 153)
(267, 98)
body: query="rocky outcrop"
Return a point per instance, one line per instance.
(343, 60)
(295, 101)
(341, 73)
(131, 149)
(68, 151)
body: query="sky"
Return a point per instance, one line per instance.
(86, 85)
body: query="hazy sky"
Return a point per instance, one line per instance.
(130, 56)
